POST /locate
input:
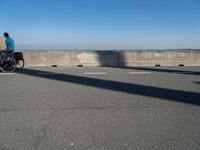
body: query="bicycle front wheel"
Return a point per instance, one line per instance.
(9, 64)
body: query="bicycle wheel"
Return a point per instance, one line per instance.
(9, 64)
(20, 63)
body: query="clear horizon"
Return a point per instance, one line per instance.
(105, 24)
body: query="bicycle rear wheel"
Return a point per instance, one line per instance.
(9, 64)
(20, 63)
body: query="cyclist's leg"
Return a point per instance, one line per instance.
(5, 53)
(2, 53)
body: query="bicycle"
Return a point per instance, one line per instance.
(10, 61)
(7, 62)
(18, 56)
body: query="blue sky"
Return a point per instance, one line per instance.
(101, 24)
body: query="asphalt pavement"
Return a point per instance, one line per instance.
(100, 108)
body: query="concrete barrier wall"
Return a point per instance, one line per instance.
(112, 58)
(70, 58)
(159, 57)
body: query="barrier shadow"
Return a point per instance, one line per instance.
(108, 58)
(143, 90)
(197, 82)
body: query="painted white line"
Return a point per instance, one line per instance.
(47, 73)
(7, 74)
(93, 73)
(135, 72)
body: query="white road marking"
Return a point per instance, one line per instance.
(47, 73)
(135, 72)
(7, 74)
(95, 73)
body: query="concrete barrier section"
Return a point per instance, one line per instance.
(70, 58)
(139, 58)
(112, 58)
(185, 57)
(160, 57)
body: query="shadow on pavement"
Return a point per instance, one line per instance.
(150, 91)
(197, 82)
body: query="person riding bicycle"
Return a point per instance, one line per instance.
(7, 60)
(9, 43)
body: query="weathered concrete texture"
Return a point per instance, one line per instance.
(158, 57)
(70, 58)
(112, 58)
(2, 44)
